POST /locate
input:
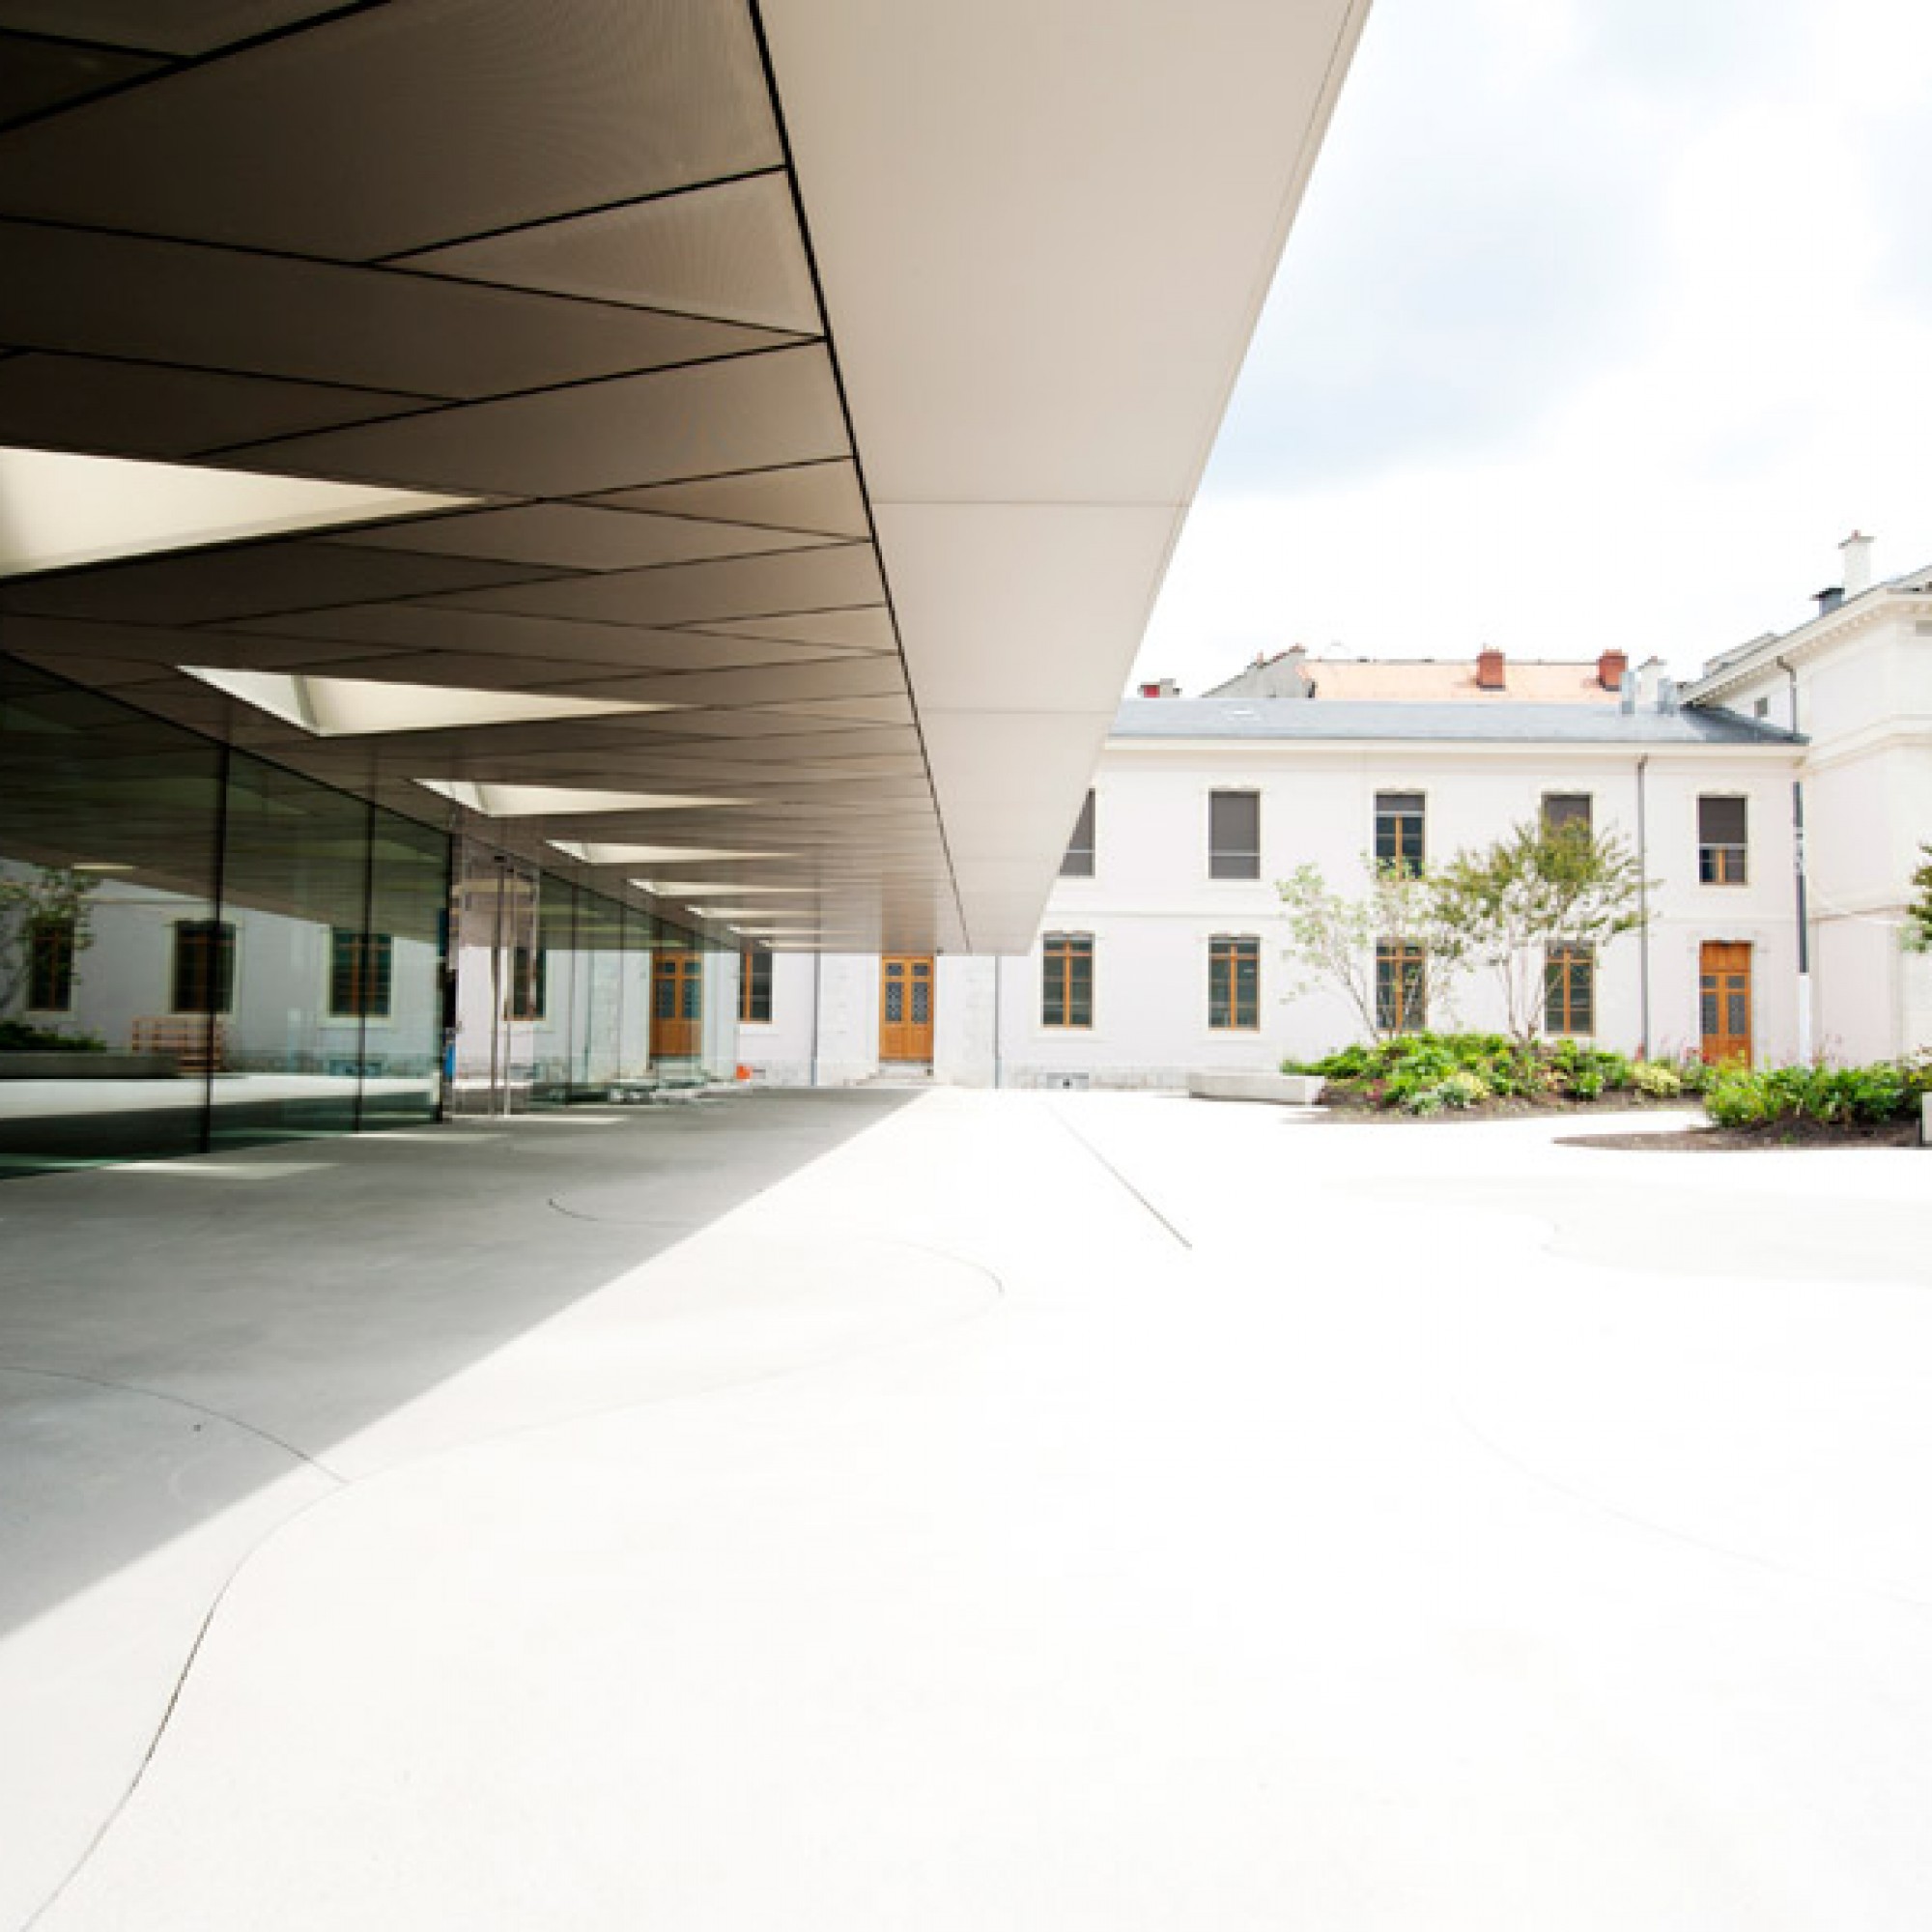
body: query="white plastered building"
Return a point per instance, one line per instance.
(1814, 744)
(1856, 682)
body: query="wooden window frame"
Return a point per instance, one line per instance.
(362, 987)
(526, 998)
(1570, 992)
(1724, 862)
(203, 967)
(1227, 954)
(51, 950)
(1401, 987)
(754, 986)
(1062, 957)
(1398, 828)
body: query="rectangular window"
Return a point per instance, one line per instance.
(1234, 985)
(1570, 991)
(360, 974)
(1721, 843)
(1565, 808)
(1401, 988)
(1234, 834)
(1398, 832)
(1066, 980)
(204, 977)
(755, 988)
(50, 965)
(1078, 862)
(528, 970)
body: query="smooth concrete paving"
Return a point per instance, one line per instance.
(1069, 1512)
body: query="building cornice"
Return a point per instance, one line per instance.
(1912, 732)
(1540, 751)
(1863, 614)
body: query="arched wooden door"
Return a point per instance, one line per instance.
(677, 1004)
(1725, 1003)
(906, 1007)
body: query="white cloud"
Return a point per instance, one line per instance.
(1597, 328)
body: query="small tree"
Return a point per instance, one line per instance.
(1537, 887)
(1332, 937)
(1919, 910)
(53, 897)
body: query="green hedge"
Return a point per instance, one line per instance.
(17, 1037)
(1834, 1096)
(1440, 1073)
(1431, 1072)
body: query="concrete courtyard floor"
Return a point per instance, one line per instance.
(854, 1510)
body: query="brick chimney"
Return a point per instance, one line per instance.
(1610, 668)
(1489, 670)
(1164, 687)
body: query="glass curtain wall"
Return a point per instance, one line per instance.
(198, 948)
(109, 860)
(629, 1000)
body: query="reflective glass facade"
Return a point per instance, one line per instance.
(201, 948)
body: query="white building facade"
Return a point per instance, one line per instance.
(1779, 806)
(1170, 954)
(1857, 681)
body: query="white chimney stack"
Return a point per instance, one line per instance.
(1856, 552)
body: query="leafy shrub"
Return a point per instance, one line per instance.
(1887, 1090)
(1737, 1098)
(1461, 1088)
(1656, 1079)
(1426, 1072)
(1695, 1074)
(17, 1037)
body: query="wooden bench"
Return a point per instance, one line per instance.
(195, 1042)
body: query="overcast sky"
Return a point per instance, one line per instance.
(1601, 322)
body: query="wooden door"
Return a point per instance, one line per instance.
(1725, 1003)
(906, 1007)
(677, 1004)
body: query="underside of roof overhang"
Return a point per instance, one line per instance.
(808, 395)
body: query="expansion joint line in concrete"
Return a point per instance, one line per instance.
(306, 1461)
(1120, 1178)
(275, 1441)
(1598, 1505)
(176, 1690)
(343, 1484)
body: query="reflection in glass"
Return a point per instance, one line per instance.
(204, 949)
(108, 842)
(162, 1018)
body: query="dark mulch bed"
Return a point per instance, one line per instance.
(1347, 1109)
(1352, 1110)
(1782, 1134)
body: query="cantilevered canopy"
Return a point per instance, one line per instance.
(822, 382)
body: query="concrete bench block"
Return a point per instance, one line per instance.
(1292, 1090)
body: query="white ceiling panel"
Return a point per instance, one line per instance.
(1021, 607)
(1095, 197)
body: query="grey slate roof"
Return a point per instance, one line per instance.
(1328, 720)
